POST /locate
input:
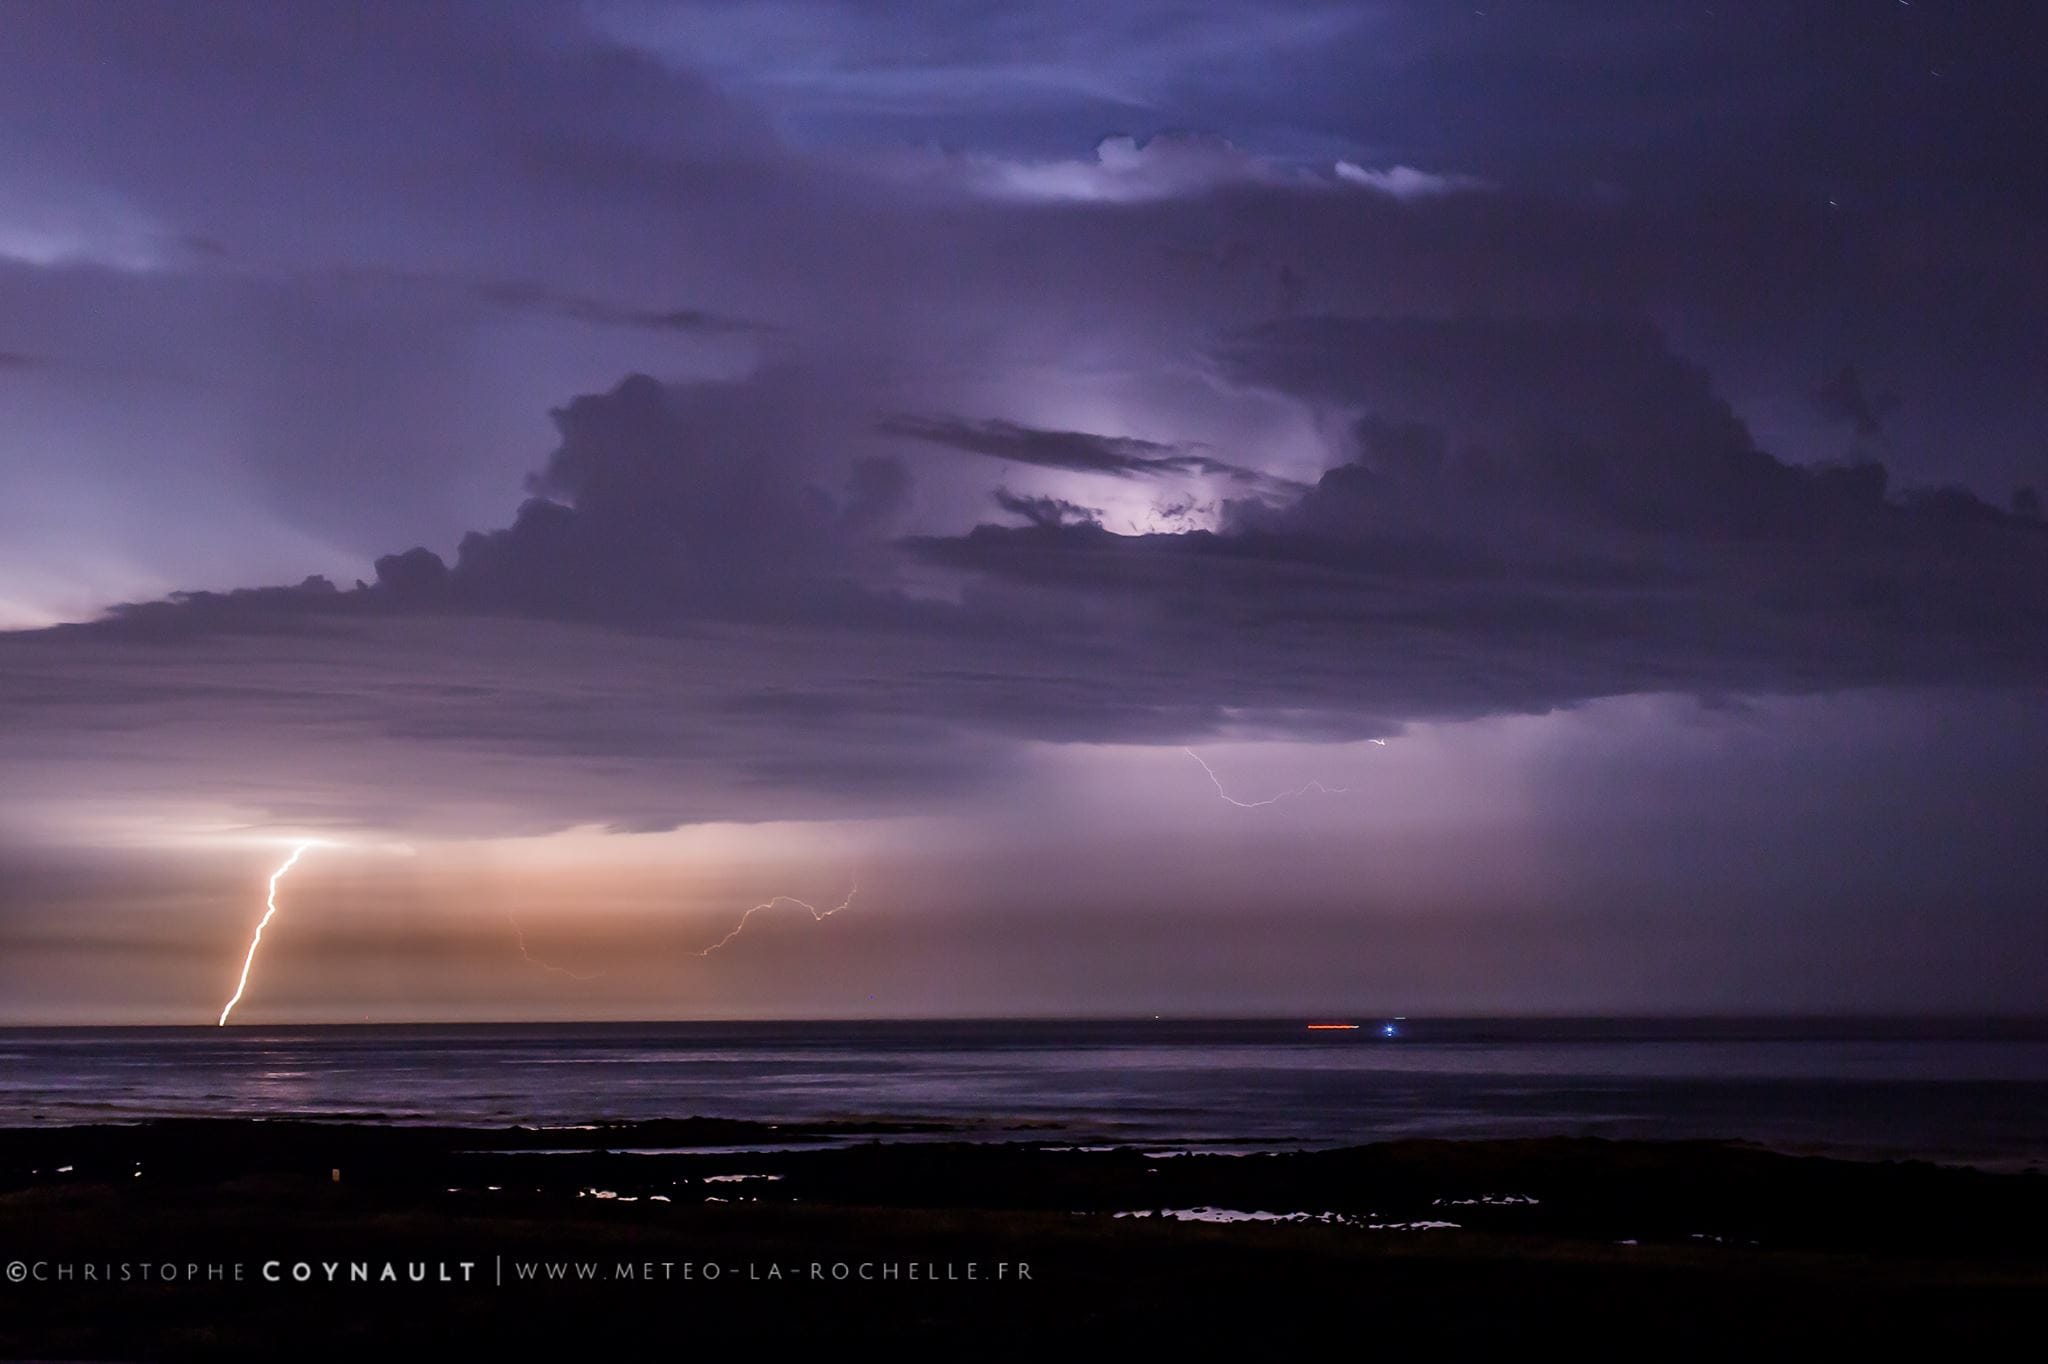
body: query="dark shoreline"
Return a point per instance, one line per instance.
(1568, 1239)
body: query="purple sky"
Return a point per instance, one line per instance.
(601, 466)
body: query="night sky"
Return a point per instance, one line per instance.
(599, 466)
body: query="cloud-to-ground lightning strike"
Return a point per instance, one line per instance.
(817, 916)
(269, 912)
(519, 935)
(1301, 790)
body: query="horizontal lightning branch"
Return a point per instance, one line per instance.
(519, 935)
(817, 916)
(1301, 790)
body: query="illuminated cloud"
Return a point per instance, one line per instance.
(1406, 182)
(1125, 170)
(1085, 452)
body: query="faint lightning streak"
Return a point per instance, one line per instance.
(269, 912)
(1301, 790)
(519, 934)
(817, 916)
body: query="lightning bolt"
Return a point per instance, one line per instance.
(269, 912)
(519, 934)
(1301, 790)
(817, 916)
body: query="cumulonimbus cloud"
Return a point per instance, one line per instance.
(1534, 514)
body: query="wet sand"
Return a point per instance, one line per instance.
(744, 1236)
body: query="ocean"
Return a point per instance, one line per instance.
(1939, 1090)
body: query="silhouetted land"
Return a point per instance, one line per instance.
(1650, 1249)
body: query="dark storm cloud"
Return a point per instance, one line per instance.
(1596, 411)
(1078, 451)
(1494, 429)
(640, 176)
(1844, 398)
(659, 503)
(1538, 513)
(1431, 241)
(1544, 511)
(658, 500)
(688, 321)
(1048, 511)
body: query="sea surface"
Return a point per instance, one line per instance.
(1973, 1093)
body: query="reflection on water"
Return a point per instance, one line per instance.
(1892, 1087)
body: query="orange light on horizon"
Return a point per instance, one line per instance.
(1333, 1027)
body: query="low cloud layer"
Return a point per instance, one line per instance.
(704, 606)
